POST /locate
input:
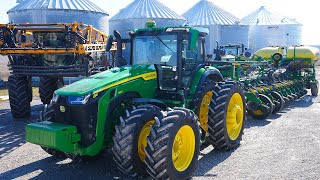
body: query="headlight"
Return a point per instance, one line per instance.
(55, 98)
(79, 99)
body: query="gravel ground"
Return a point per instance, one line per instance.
(285, 146)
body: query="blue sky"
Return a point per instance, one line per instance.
(304, 12)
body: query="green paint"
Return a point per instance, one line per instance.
(53, 135)
(196, 79)
(100, 80)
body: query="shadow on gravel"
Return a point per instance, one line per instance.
(53, 168)
(210, 160)
(12, 131)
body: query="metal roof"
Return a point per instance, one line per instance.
(206, 13)
(263, 16)
(78, 5)
(142, 9)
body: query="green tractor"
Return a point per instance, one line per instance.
(154, 113)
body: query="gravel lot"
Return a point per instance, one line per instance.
(285, 146)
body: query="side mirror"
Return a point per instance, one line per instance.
(109, 43)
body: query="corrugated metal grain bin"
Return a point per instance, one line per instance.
(271, 29)
(137, 13)
(223, 26)
(62, 11)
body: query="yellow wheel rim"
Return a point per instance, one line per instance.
(235, 116)
(183, 148)
(142, 142)
(204, 110)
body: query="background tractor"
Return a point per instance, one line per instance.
(154, 113)
(51, 52)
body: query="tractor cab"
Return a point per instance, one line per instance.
(177, 53)
(230, 52)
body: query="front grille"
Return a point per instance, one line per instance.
(84, 117)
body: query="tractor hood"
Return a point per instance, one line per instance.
(107, 79)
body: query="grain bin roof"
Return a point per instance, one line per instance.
(206, 13)
(263, 16)
(142, 9)
(78, 5)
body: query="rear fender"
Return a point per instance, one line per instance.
(202, 75)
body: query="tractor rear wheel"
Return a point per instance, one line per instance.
(173, 145)
(259, 114)
(47, 87)
(202, 102)
(279, 102)
(19, 93)
(226, 115)
(314, 88)
(130, 139)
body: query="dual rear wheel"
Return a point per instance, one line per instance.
(166, 144)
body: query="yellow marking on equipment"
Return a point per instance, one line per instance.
(62, 109)
(95, 95)
(146, 77)
(120, 92)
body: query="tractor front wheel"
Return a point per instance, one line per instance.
(130, 139)
(173, 145)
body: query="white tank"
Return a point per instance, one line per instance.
(223, 26)
(271, 29)
(59, 11)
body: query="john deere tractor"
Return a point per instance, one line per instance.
(154, 113)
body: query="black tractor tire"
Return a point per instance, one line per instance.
(55, 153)
(266, 101)
(314, 88)
(19, 96)
(30, 93)
(173, 145)
(280, 102)
(218, 128)
(202, 102)
(127, 148)
(47, 87)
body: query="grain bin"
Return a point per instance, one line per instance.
(223, 26)
(137, 13)
(271, 29)
(62, 11)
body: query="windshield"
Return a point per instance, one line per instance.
(231, 51)
(156, 49)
